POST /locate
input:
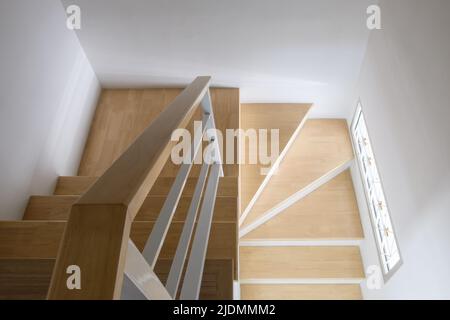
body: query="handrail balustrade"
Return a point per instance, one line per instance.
(97, 233)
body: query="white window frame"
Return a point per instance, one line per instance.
(387, 244)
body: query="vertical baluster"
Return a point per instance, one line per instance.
(140, 280)
(155, 241)
(173, 280)
(192, 280)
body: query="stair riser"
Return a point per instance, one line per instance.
(58, 207)
(41, 239)
(78, 185)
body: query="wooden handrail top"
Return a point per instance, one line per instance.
(131, 176)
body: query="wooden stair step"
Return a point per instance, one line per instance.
(286, 118)
(58, 207)
(300, 262)
(217, 280)
(322, 146)
(40, 239)
(301, 292)
(330, 212)
(29, 279)
(77, 185)
(49, 207)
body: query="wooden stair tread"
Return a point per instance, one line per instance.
(58, 207)
(301, 292)
(286, 117)
(40, 239)
(77, 185)
(300, 262)
(330, 212)
(29, 279)
(322, 146)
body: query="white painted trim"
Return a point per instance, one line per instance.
(142, 276)
(295, 197)
(236, 290)
(301, 243)
(304, 281)
(274, 168)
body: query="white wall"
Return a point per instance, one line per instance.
(405, 92)
(273, 50)
(48, 92)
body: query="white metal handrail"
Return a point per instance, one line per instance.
(194, 272)
(142, 276)
(141, 281)
(173, 280)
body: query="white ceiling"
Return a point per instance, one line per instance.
(274, 50)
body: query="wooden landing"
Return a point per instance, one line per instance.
(322, 146)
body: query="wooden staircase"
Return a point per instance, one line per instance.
(29, 248)
(299, 237)
(291, 234)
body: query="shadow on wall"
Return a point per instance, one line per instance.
(48, 95)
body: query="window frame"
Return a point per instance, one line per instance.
(387, 274)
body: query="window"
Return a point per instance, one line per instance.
(381, 221)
